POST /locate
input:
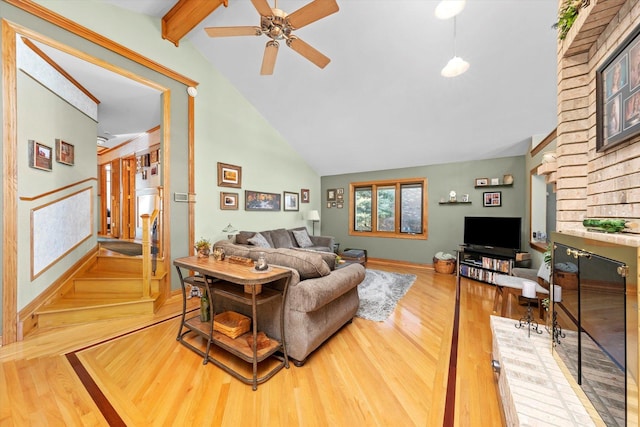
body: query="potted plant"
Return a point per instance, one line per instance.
(203, 247)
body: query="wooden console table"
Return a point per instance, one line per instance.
(229, 281)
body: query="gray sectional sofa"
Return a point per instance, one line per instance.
(320, 298)
(282, 238)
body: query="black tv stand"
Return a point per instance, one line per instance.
(485, 263)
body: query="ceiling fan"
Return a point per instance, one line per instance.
(278, 25)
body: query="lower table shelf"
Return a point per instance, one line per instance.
(237, 346)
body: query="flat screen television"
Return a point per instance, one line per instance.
(492, 232)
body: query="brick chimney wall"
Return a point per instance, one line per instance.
(593, 184)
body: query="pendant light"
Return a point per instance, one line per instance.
(449, 8)
(456, 65)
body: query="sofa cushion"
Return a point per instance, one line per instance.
(309, 265)
(328, 257)
(281, 238)
(259, 241)
(242, 238)
(302, 237)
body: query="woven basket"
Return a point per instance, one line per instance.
(446, 266)
(231, 324)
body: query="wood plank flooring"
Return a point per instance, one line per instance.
(369, 374)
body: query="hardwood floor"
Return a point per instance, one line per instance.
(369, 374)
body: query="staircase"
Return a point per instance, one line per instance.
(112, 287)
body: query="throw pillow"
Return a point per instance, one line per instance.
(259, 240)
(303, 239)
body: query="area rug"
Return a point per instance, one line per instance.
(380, 292)
(121, 246)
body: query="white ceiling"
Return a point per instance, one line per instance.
(381, 102)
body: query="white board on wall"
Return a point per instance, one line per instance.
(58, 227)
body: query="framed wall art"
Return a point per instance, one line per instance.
(481, 182)
(492, 199)
(291, 201)
(228, 201)
(618, 95)
(331, 195)
(258, 201)
(305, 195)
(40, 156)
(64, 152)
(229, 175)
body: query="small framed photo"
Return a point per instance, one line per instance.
(154, 170)
(154, 156)
(64, 152)
(291, 201)
(331, 195)
(465, 198)
(305, 195)
(229, 175)
(495, 181)
(481, 182)
(340, 205)
(340, 191)
(228, 201)
(492, 199)
(329, 205)
(40, 156)
(144, 174)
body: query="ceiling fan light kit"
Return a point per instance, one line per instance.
(278, 25)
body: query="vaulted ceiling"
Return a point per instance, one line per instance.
(381, 102)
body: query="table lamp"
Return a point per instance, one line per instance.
(229, 229)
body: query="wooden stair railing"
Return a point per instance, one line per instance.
(148, 259)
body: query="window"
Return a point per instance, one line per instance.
(394, 208)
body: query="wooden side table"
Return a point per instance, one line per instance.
(228, 280)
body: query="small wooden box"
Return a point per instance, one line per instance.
(247, 289)
(262, 340)
(231, 324)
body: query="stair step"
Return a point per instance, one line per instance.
(112, 286)
(67, 311)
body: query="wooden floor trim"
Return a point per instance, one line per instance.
(450, 402)
(108, 411)
(98, 397)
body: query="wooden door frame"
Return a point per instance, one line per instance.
(11, 324)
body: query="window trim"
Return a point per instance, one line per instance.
(397, 183)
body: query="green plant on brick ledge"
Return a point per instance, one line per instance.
(567, 16)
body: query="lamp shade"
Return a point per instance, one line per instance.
(455, 67)
(557, 293)
(528, 289)
(313, 216)
(229, 229)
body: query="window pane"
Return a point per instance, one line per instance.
(386, 208)
(363, 209)
(411, 208)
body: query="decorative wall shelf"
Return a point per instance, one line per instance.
(494, 186)
(454, 203)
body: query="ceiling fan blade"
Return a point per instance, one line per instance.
(269, 58)
(233, 31)
(312, 12)
(308, 51)
(262, 7)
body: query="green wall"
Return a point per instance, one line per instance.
(445, 224)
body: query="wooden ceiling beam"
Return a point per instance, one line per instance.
(185, 15)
